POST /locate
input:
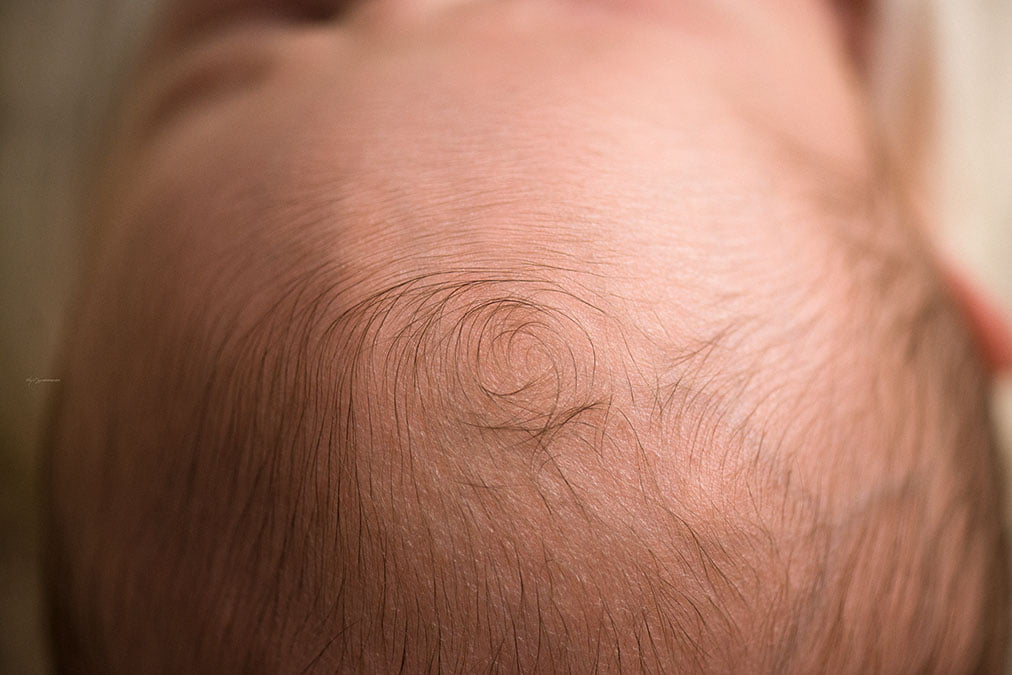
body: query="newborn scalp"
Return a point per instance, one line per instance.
(703, 498)
(310, 458)
(478, 468)
(461, 417)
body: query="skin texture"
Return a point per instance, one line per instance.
(516, 336)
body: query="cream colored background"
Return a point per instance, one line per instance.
(61, 59)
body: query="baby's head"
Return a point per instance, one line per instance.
(518, 337)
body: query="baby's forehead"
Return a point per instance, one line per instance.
(639, 113)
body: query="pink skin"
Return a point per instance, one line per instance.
(696, 165)
(703, 159)
(788, 66)
(646, 135)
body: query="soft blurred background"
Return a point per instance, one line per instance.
(943, 87)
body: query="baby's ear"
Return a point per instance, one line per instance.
(989, 323)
